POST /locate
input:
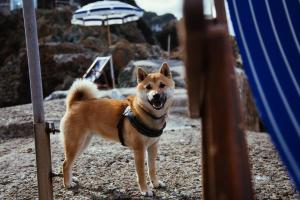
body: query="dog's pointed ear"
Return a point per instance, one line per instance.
(141, 74)
(165, 70)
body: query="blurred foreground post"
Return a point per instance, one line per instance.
(213, 97)
(42, 139)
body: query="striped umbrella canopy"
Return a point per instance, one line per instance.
(268, 34)
(106, 13)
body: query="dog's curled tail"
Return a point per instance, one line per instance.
(81, 90)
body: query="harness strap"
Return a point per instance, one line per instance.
(138, 125)
(120, 129)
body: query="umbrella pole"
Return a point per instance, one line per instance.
(108, 35)
(112, 73)
(169, 46)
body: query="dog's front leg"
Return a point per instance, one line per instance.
(152, 155)
(139, 158)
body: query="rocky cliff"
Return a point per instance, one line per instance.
(66, 51)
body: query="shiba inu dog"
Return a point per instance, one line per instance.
(136, 122)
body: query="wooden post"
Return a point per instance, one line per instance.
(227, 167)
(213, 96)
(221, 12)
(194, 55)
(42, 139)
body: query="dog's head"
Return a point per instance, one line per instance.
(155, 90)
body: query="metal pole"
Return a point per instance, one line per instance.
(108, 32)
(42, 139)
(112, 72)
(169, 46)
(108, 35)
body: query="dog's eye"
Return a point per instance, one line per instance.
(148, 87)
(161, 85)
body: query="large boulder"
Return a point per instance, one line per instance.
(250, 115)
(122, 54)
(129, 31)
(156, 22)
(61, 63)
(10, 85)
(146, 51)
(127, 76)
(168, 30)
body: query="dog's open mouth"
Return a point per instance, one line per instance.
(158, 104)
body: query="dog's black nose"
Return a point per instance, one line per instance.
(156, 96)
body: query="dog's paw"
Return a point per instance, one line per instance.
(75, 179)
(158, 184)
(71, 185)
(148, 193)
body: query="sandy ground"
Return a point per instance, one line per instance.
(106, 169)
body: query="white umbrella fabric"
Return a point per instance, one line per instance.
(106, 13)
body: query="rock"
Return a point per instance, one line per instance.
(10, 85)
(157, 22)
(169, 29)
(66, 51)
(145, 51)
(127, 76)
(94, 43)
(122, 54)
(248, 108)
(18, 129)
(57, 95)
(62, 65)
(129, 31)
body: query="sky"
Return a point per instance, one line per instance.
(175, 7)
(162, 7)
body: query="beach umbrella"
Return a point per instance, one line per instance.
(106, 13)
(268, 35)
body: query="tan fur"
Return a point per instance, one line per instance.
(87, 115)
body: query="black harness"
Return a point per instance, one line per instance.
(138, 125)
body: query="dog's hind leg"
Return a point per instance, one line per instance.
(73, 146)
